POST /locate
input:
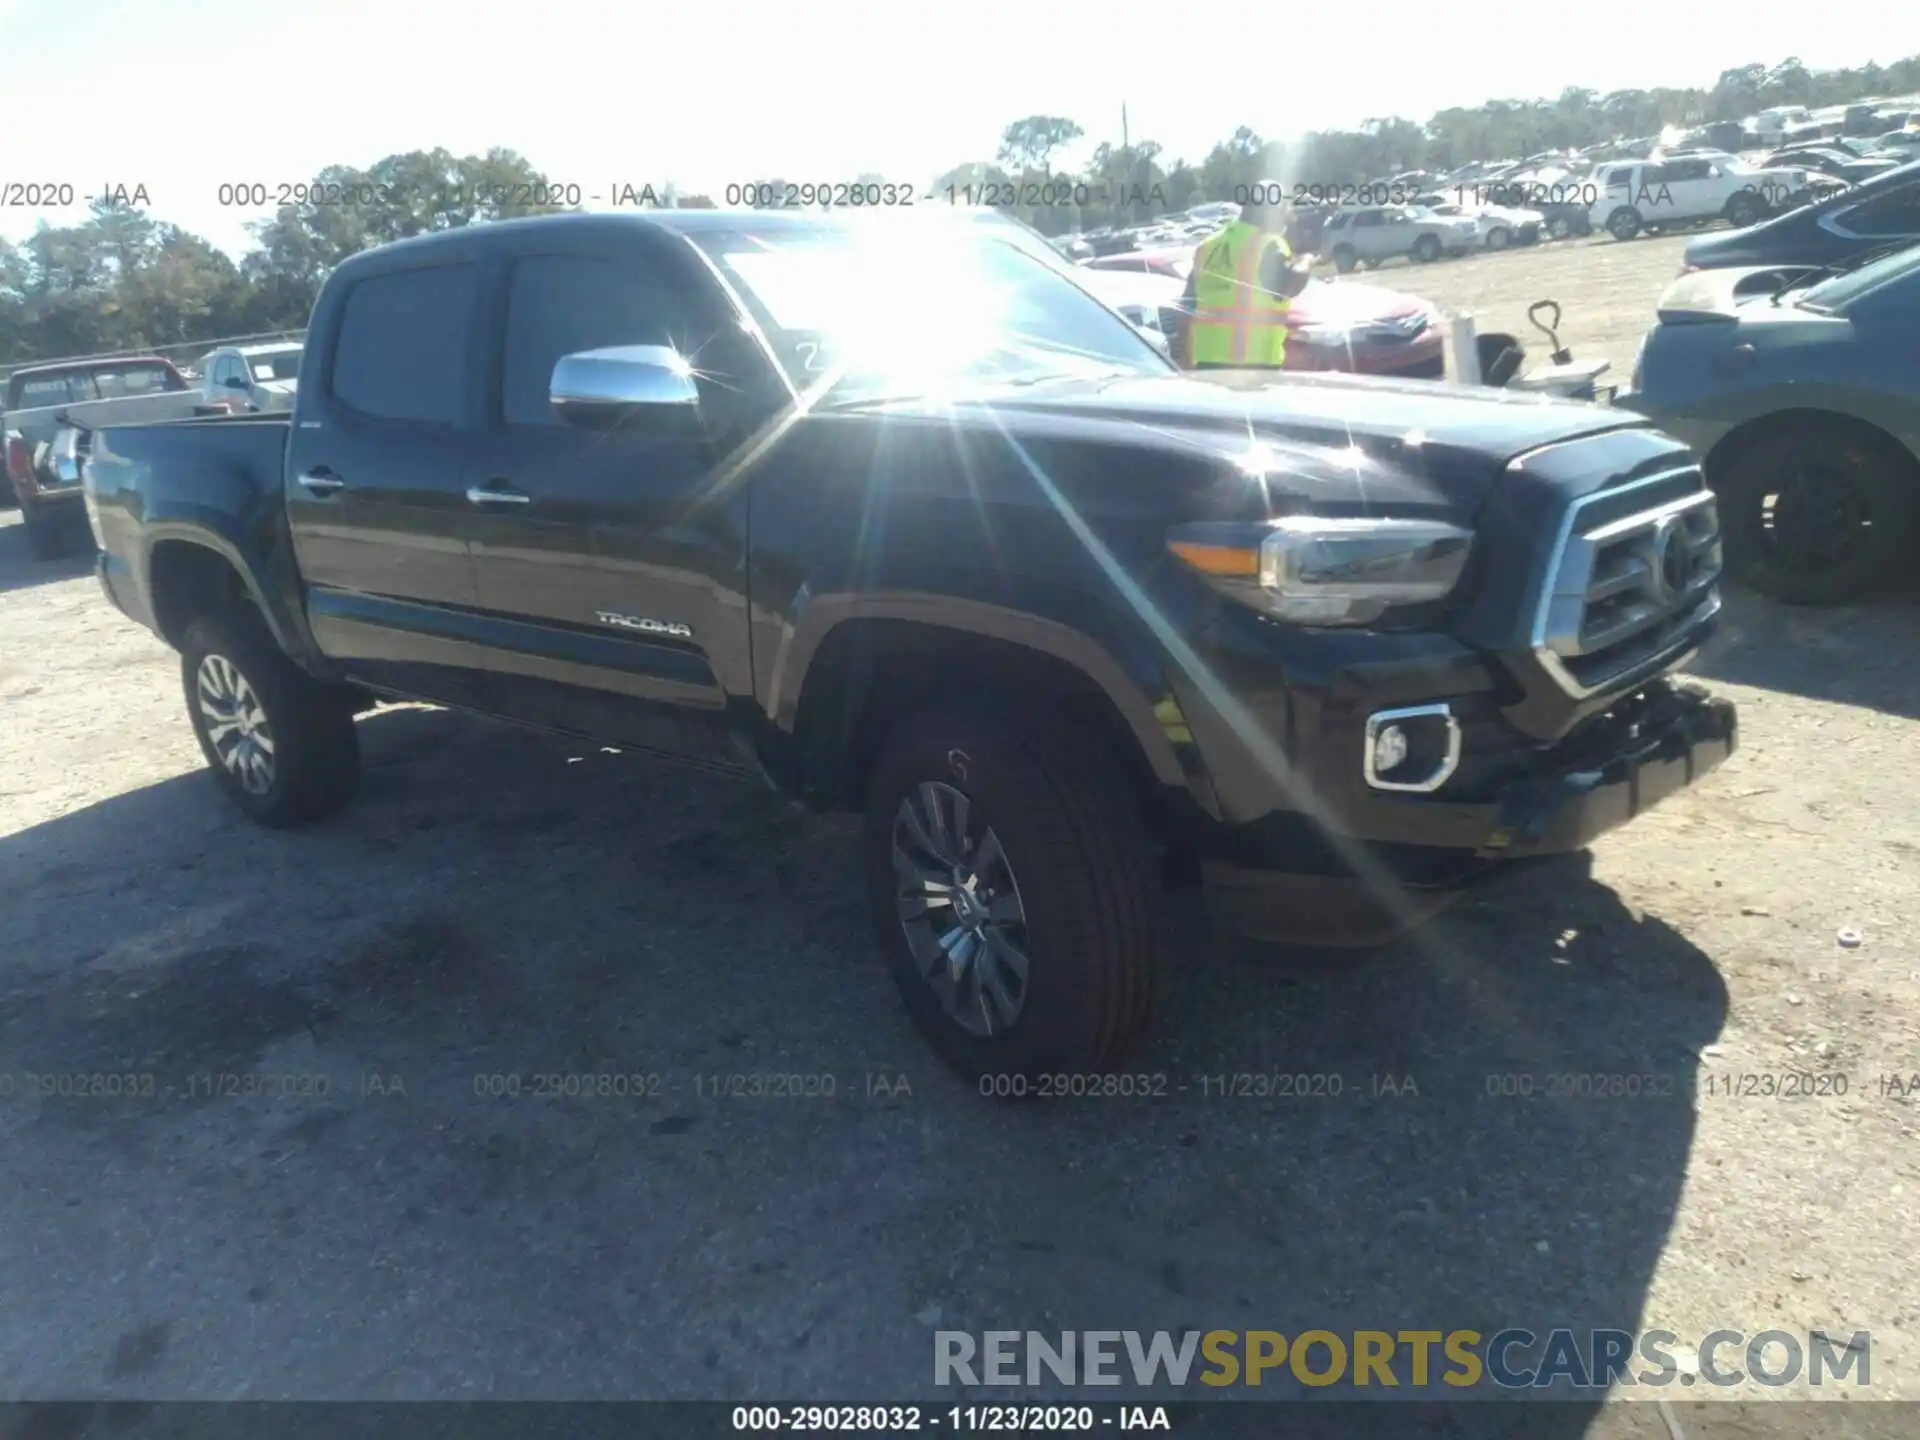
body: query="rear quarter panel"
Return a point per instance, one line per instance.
(215, 483)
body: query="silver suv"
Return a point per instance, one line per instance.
(1372, 233)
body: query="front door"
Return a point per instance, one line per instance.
(378, 466)
(612, 564)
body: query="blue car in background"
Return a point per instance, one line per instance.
(1882, 211)
(1801, 394)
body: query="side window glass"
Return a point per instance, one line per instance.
(1893, 215)
(560, 304)
(405, 341)
(37, 393)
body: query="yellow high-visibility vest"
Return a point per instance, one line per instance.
(1235, 321)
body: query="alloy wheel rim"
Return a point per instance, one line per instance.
(960, 907)
(236, 722)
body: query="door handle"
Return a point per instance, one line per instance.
(322, 481)
(482, 495)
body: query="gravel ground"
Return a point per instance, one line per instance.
(503, 904)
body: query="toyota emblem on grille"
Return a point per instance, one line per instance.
(1670, 560)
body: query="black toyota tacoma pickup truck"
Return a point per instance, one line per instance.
(909, 524)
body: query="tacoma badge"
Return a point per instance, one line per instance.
(641, 622)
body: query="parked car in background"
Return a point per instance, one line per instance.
(92, 392)
(1172, 260)
(1871, 216)
(1653, 196)
(1802, 395)
(1373, 234)
(1498, 225)
(252, 378)
(1148, 300)
(1835, 163)
(1897, 144)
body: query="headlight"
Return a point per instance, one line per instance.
(1334, 571)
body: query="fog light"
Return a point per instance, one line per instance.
(1415, 749)
(1389, 749)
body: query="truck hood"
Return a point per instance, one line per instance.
(1330, 438)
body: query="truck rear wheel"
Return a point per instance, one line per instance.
(1016, 897)
(282, 744)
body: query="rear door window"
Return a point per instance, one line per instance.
(405, 345)
(119, 382)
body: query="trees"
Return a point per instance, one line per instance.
(125, 279)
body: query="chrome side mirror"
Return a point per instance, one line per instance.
(600, 387)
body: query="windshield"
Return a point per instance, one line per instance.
(866, 316)
(1869, 273)
(275, 365)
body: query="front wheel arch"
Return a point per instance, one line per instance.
(870, 673)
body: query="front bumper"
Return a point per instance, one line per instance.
(1623, 763)
(1651, 744)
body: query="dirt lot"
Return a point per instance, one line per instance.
(504, 905)
(1606, 291)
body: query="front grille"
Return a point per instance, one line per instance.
(1633, 574)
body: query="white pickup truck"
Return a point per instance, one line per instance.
(42, 399)
(252, 378)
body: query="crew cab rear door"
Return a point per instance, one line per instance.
(382, 452)
(610, 563)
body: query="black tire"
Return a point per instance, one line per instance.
(1344, 258)
(1427, 249)
(50, 532)
(1817, 515)
(1084, 876)
(1559, 227)
(315, 761)
(1624, 223)
(1499, 238)
(1744, 209)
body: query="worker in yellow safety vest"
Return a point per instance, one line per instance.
(1242, 286)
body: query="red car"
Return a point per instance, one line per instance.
(1335, 325)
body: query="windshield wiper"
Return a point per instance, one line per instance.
(1839, 267)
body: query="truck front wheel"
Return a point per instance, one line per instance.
(1015, 895)
(282, 744)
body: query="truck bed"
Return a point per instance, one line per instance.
(216, 473)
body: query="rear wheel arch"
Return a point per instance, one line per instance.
(187, 579)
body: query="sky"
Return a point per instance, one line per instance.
(599, 93)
